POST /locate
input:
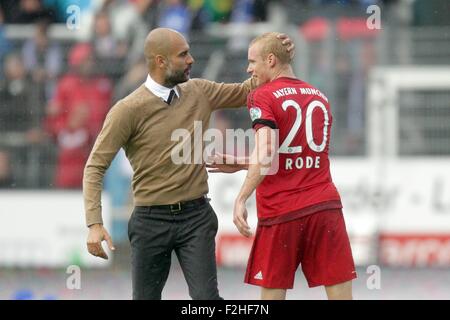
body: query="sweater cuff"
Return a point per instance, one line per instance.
(93, 217)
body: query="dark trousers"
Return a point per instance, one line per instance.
(155, 233)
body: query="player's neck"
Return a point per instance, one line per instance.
(284, 72)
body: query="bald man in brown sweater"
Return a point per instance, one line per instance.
(171, 209)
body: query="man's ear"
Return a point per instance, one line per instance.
(160, 61)
(271, 60)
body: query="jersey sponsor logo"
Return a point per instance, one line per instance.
(255, 113)
(258, 276)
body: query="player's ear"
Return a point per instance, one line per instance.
(271, 60)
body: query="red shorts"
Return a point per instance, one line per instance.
(319, 242)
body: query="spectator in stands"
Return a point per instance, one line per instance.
(5, 45)
(16, 95)
(132, 79)
(260, 10)
(242, 11)
(43, 59)
(149, 10)
(76, 114)
(362, 61)
(109, 52)
(207, 11)
(199, 14)
(242, 14)
(130, 21)
(19, 117)
(26, 11)
(176, 15)
(218, 11)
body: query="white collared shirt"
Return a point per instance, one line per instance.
(159, 90)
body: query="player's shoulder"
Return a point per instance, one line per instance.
(261, 93)
(271, 88)
(263, 89)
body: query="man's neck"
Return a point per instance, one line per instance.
(158, 78)
(283, 72)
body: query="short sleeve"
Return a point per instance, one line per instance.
(261, 113)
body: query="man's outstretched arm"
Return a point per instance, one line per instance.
(226, 163)
(234, 95)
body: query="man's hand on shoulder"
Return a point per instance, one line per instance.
(97, 234)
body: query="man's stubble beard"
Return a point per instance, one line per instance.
(175, 77)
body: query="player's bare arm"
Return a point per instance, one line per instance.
(260, 162)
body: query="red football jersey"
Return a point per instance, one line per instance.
(302, 185)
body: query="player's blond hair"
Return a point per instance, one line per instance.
(271, 44)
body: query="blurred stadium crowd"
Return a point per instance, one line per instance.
(55, 89)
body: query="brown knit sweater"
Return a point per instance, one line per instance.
(142, 124)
